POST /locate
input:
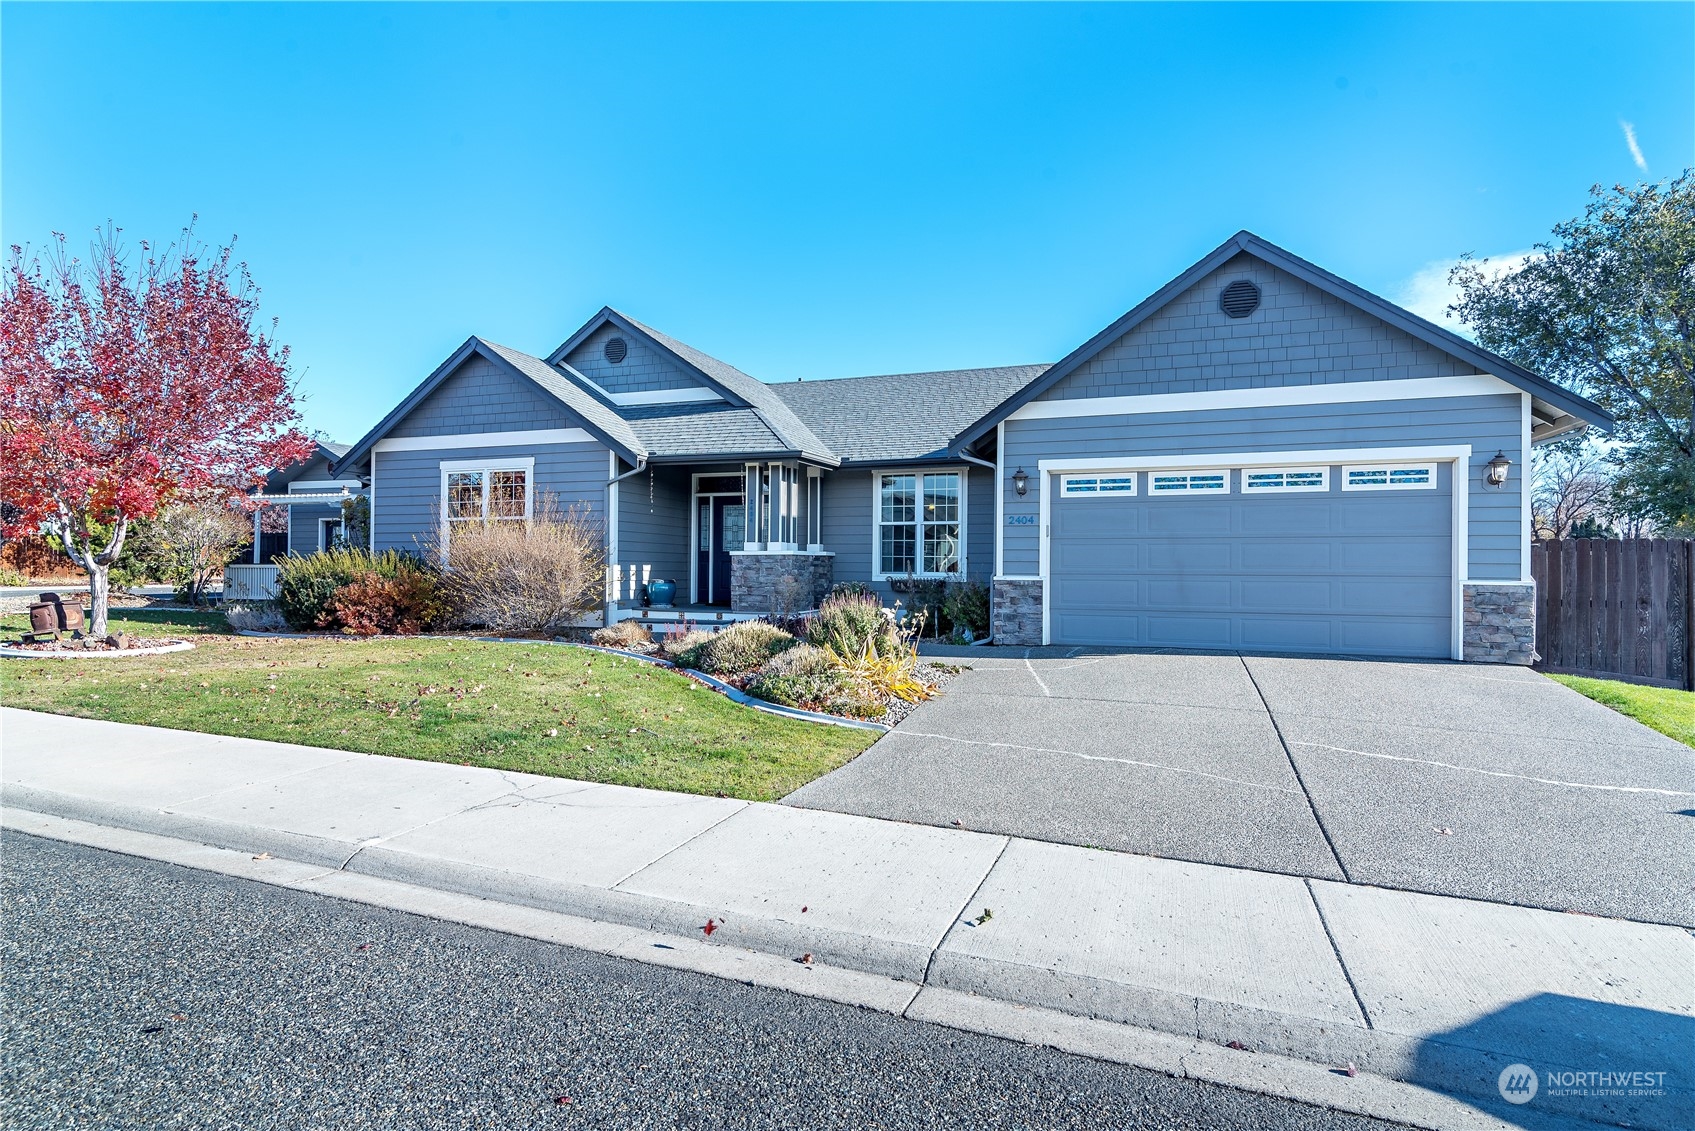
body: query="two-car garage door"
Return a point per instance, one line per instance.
(1351, 559)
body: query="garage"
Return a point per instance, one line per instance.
(1351, 559)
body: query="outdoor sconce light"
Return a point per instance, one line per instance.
(1497, 473)
(1020, 481)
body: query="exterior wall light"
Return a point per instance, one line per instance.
(1497, 470)
(1020, 482)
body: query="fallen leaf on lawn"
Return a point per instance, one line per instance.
(711, 926)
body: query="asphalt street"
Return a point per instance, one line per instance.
(142, 995)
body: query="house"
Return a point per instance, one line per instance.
(1259, 456)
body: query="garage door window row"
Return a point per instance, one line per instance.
(1254, 481)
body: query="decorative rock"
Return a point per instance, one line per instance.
(120, 640)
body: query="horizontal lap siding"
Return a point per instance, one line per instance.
(303, 522)
(481, 396)
(1487, 423)
(407, 486)
(653, 526)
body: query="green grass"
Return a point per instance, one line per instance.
(1670, 712)
(536, 708)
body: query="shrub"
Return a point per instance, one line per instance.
(194, 539)
(801, 659)
(684, 647)
(373, 605)
(624, 634)
(10, 576)
(307, 585)
(848, 623)
(851, 589)
(967, 606)
(741, 647)
(809, 692)
(522, 577)
(255, 616)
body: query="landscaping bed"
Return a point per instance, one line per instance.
(536, 708)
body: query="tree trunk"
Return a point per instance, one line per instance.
(99, 597)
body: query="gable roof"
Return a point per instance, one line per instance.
(742, 391)
(1558, 402)
(598, 418)
(901, 416)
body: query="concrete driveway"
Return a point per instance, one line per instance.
(1479, 781)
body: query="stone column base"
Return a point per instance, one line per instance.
(779, 582)
(1500, 622)
(1015, 612)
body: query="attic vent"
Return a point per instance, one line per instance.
(1239, 299)
(617, 348)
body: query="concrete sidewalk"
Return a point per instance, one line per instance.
(1440, 992)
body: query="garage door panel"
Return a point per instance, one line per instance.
(1189, 632)
(1356, 572)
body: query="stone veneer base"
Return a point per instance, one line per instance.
(1500, 622)
(756, 577)
(1015, 612)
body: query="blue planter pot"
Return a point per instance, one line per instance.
(662, 593)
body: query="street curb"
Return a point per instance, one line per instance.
(1291, 1078)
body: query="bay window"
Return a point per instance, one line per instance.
(919, 524)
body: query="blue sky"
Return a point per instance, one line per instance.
(810, 191)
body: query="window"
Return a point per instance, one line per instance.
(919, 523)
(1188, 482)
(1389, 477)
(480, 492)
(1265, 480)
(1097, 485)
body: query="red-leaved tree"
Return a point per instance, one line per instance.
(121, 389)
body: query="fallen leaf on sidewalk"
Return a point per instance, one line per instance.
(263, 856)
(1444, 832)
(561, 1100)
(709, 928)
(1237, 1045)
(805, 959)
(1350, 1070)
(803, 910)
(984, 917)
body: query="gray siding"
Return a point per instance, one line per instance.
(303, 522)
(653, 524)
(407, 486)
(643, 368)
(848, 530)
(1298, 336)
(1487, 423)
(481, 396)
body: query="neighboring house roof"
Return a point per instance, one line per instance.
(598, 418)
(327, 450)
(901, 416)
(1555, 403)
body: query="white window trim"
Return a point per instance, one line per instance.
(1391, 466)
(1322, 485)
(877, 475)
(324, 543)
(1189, 490)
(526, 464)
(1459, 495)
(1065, 486)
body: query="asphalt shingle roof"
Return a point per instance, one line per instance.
(901, 416)
(671, 430)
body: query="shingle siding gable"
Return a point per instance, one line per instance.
(480, 396)
(1299, 336)
(644, 369)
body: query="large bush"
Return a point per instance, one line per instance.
(372, 605)
(739, 648)
(967, 606)
(850, 624)
(525, 577)
(307, 585)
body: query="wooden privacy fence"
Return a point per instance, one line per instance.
(1617, 608)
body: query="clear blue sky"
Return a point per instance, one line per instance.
(810, 191)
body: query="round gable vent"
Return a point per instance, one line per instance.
(617, 349)
(1239, 299)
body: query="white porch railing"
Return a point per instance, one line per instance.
(250, 583)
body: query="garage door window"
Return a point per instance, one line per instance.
(1097, 485)
(918, 524)
(1188, 482)
(1389, 477)
(1266, 480)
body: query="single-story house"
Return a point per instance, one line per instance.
(1258, 456)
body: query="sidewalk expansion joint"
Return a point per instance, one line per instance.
(1296, 770)
(964, 908)
(1324, 921)
(622, 880)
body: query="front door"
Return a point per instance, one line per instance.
(720, 531)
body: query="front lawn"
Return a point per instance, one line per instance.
(538, 708)
(1670, 712)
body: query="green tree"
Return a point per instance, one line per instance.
(1607, 309)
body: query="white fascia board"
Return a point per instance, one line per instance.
(1213, 460)
(483, 440)
(323, 484)
(665, 396)
(1336, 392)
